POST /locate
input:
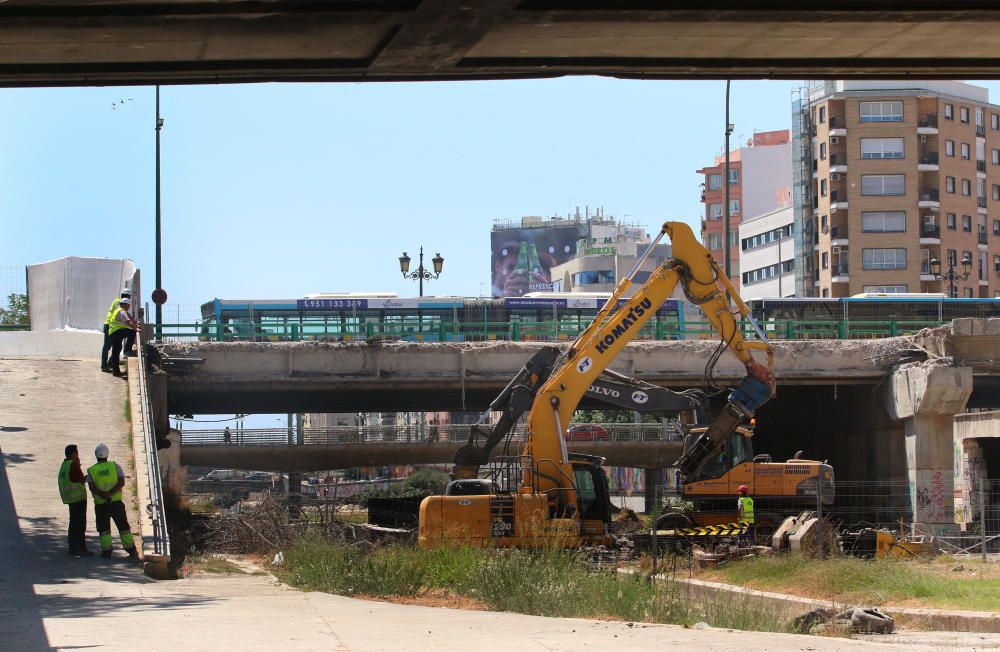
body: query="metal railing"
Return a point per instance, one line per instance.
(928, 158)
(931, 194)
(930, 230)
(158, 515)
(927, 120)
(537, 331)
(409, 434)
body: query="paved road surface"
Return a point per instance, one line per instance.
(49, 601)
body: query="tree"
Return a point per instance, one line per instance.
(16, 313)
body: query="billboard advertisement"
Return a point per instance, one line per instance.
(523, 258)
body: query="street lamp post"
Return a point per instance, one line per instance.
(422, 274)
(725, 180)
(159, 260)
(951, 275)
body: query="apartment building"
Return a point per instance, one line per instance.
(767, 255)
(760, 180)
(899, 174)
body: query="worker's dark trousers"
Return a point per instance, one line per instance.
(117, 338)
(105, 348)
(78, 526)
(103, 515)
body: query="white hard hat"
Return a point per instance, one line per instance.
(101, 452)
(125, 300)
(126, 292)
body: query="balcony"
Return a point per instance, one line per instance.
(837, 126)
(838, 164)
(930, 234)
(838, 200)
(981, 202)
(927, 123)
(983, 240)
(840, 273)
(981, 166)
(981, 131)
(930, 198)
(928, 162)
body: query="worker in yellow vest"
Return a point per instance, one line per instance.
(106, 480)
(112, 313)
(745, 510)
(122, 327)
(73, 491)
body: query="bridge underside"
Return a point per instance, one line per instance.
(96, 42)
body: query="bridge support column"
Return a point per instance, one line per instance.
(654, 480)
(926, 398)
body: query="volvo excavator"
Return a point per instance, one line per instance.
(546, 496)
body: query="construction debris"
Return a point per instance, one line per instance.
(856, 620)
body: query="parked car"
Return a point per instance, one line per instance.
(258, 476)
(218, 474)
(587, 432)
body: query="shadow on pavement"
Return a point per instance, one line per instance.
(12, 428)
(37, 578)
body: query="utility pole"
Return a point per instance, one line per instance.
(725, 180)
(158, 332)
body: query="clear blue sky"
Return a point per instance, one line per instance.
(278, 190)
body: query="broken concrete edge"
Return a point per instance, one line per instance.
(792, 605)
(140, 440)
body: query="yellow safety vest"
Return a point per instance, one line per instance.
(112, 312)
(71, 492)
(747, 503)
(116, 325)
(105, 476)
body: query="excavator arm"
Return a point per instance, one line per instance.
(705, 285)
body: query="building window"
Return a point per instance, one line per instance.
(996, 227)
(883, 221)
(996, 263)
(881, 148)
(949, 148)
(996, 156)
(949, 184)
(822, 151)
(979, 117)
(883, 258)
(825, 260)
(734, 176)
(715, 241)
(591, 277)
(952, 257)
(963, 114)
(822, 114)
(966, 152)
(881, 112)
(995, 120)
(967, 223)
(967, 292)
(996, 192)
(966, 188)
(950, 221)
(714, 181)
(883, 184)
(734, 206)
(734, 238)
(949, 112)
(826, 293)
(885, 289)
(822, 187)
(715, 211)
(925, 261)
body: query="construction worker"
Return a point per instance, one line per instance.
(73, 490)
(745, 511)
(112, 313)
(122, 327)
(106, 480)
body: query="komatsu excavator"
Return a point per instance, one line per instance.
(546, 496)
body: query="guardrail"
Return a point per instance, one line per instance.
(158, 515)
(429, 434)
(545, 331)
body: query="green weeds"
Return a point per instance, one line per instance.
(550, 582)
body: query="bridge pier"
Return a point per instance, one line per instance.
(926, 398)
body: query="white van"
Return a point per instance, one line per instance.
(218, 474)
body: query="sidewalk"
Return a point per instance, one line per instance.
(49, 601)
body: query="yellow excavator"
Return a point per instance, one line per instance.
(546, 496)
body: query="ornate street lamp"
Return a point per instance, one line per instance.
(422, 274)
(951, 275)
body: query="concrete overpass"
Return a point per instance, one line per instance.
(97, 42)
